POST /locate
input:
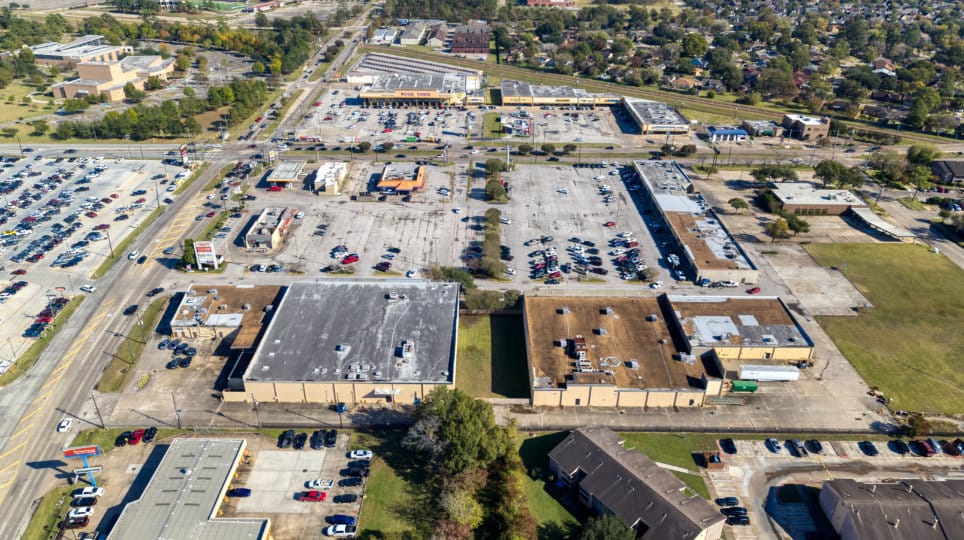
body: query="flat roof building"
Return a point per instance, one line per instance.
(110, 78)
(799, 126)
(358, 341)
(222, 312)
(551, 3)
(654, 117)
(709, 251)
(610, 352)
(89, 48)
(726, 134)
(762, 128)
(470, 39)
(384, 36)
(608, 478)
(806, 198)
(328, 176)
(737, 329)
(382, 63)
(522, 93)
(270, 229)
(905, 510)
(286, 172)
(413, 34)
(184, 495)
(437, 90)
(401, 178)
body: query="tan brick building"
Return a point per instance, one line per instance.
(109, 78)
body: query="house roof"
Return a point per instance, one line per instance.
(632, 486)
(956, 168)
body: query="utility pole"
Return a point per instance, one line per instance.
(177, 414)
(109, 244)
(96, 408)
(257, 413)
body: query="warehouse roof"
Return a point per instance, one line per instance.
(736, 321)
(643, 495)
(377, 330)
(653, 112)
(909, 509)
(806, 193)
(182, 498)
(387, 63)
(440, 82)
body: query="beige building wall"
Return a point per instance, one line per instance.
(575, 395)
(656, 398)
(631, 398)
(330, 392)
(547, 398)
(689, 399)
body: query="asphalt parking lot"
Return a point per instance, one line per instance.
(60, 220)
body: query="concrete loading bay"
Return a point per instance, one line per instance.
(73, 209)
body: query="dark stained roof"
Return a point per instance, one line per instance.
(956, 168)
(633, 487)
(909, 509)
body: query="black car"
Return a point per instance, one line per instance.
(728, 501)
(346, 498)
(815, 446)
(728, 446)
(331, 438)
(317, 441)
(900, 447)
(286, 439)
(350, 482)
(868, 448)
(358, 472)
(737, 520)
(149, 434)
(80, 502)
(131, 309)
(733, 511)
(123, 439)
(300, 440)
(78, 523)
(185, 362)
(173, 363)
(155, 291)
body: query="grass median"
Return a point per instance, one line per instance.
(127, 353)
(50, 512)
(190, 180)
(492, 357)
(32, 354)
(120, 249)
(212, 185)
(280, 113)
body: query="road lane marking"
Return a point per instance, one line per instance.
(12, 450)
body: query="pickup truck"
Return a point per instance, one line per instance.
(341, 531)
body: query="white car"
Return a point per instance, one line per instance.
(505, 221)
(82, 512)
(617, 252)
(656, 285)
(88, 288)
(64, 425)
(456, 210)
(89, 491)
(411, 274)
(564, 191)
(360, 454)
(210, 196)
(510, 271)
(318, 483)
(340, 531)
(133, 255)
(625, 234)
(299, 215)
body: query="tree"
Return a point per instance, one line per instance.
(8, 132)
(454, 431)
(153, 83)
(74, 105)
(548, 148)
(39, 127)
(569, 148)
(829, 171)
(261, 20)
(524, 148)
(922, 154)
(258, 68)
(779, 228)
(918, 426)
(493, 167)
(694, 45)
(461, 508)
(387, 146)
(133, 94)
(922, 178)
(364, 147)
(187, 257)
(797, 224)
(738, 204)
(606, 527)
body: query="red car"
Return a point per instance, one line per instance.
(102, 227)
(609, 224)
(91, 214)
(19, 272)
(316, 104)
(114, 195)
(754, 290)
(136, 437)
(352, 258)
(274, 188)
(210, 214)
(47, 320)
(140, 201)
(313, 495)
(258, 119)
(106, 200)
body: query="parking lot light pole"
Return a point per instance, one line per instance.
(109, 244)
(177, 414)
(257, 413)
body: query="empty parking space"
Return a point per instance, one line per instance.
(278, 477)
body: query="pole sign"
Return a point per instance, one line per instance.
(85, 470)
(204, 253)
(82, 451)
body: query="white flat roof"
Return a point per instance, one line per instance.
(806, 193)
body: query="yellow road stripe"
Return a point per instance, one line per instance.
(12, 450)
(29, 414)
(12, 465)
(24, 428)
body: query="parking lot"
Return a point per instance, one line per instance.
(61, 218)
(756, 472)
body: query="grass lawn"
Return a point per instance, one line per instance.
(318, 71)
(910, 343)
(52, 509)
(127, 354)
(280, 113)
(30, 356)
(491, 127)
(388, 495)
(911, 203)
(105, 437)
(491, 357)
(554, 520)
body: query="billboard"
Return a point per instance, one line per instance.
(81, 451)
(204, 253)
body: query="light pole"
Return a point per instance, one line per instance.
(177, 414)
(97, 409)
(20, 144)
(109, 244)
(257, 413)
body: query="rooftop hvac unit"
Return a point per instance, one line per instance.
(245, 307)
(563, 343)
(608, 310)
(633, 364)
(602, 330)
(564, 310)
(212, 291)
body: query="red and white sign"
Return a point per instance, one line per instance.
(79, 451)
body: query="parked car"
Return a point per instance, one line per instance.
(317, 440)
(773, 445)
(286, 439)
(342, 519)
(136, 437)
(130, 310)
(331, 438)
(300, 440)
(149, 434)
(727, 501)
(815, 446)
(341, 531)
(123, 439)
(345, 498)
(360, 454)
(868, 448)
(728, 446)
(82, 512)
(313, 495)
(900, 447)
(81, 502)
(88, 491)
(239, 492)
